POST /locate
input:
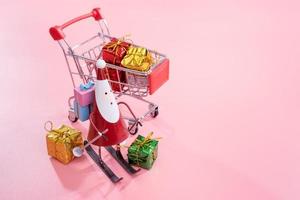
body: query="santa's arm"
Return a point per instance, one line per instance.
(101, 133)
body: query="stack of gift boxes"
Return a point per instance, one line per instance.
(123, 54)
(84, 97)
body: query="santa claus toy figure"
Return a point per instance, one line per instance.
(107, 127)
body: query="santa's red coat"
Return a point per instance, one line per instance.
(117, 132)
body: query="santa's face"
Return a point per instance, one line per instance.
(106, 101)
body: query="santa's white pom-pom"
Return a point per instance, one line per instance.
(101, 64)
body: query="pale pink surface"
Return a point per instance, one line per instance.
(229, 116)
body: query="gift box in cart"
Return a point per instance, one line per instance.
(82, 59)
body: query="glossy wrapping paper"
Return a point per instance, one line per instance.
(114, 51)
(137, 58)
(61, 141)
(143, 152)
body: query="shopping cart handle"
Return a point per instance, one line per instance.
(57, 31)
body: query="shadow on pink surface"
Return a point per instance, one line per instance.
(76, 174)
(71, 175)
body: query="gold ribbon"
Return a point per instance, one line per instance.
(147, 139)
(65, 135)
(115, 44)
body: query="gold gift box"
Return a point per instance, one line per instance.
(61, 141)
(137, 58)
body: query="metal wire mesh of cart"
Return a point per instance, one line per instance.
(122, 80)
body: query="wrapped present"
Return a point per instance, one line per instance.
(61, 141)
(82, 112)
(85, 93)
(87, 86)
(114, 51)
(117, 76)
(143, 151)
(137, 58)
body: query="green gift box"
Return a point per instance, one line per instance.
(143, 151)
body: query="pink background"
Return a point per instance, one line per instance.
(229, 116)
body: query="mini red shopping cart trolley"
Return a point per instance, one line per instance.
(81, 60)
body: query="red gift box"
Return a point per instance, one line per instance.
(114, 51)
(113, 76)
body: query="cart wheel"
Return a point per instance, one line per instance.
(134, 129)
(72, 117)
(154, 113)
